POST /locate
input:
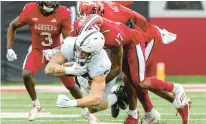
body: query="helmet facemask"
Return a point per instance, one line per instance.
(48, 6)
(87, 45)
(81, 56)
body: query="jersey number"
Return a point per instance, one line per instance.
(47, 39)
(119, 38)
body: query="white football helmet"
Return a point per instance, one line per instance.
(87, 45)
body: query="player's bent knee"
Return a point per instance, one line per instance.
(27, 74)
(145, 84)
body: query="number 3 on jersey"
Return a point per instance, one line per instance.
(47, 39)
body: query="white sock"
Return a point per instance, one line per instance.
(133, 113)
(112, 99)
(85, 111)
(36, 102)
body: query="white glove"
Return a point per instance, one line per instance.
(75, 69)
(49, 53)
(11, 55)
(64, 102)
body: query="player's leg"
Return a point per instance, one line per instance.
(151, 51)
(136, 62)
(32, 64)
(71, 85)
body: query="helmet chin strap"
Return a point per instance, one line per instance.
(47, 9)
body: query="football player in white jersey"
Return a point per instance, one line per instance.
(85, 58)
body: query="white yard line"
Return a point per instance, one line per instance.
(49, 115)
(58, 88)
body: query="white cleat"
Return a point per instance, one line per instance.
(91, 118)
(34, 111)
(167, 37)
(151, 117)
(180, 98)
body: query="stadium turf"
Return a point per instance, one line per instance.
(14, 108)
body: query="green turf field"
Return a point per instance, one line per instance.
(19, 103)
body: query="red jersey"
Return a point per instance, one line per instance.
(45, 30)
(118, 13)
(124, 3)
(115, 33)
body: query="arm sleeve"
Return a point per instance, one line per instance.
(23, 17)
(124, 3)
(66, 22)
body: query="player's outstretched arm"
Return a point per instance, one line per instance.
(97, 93)
(11, 32)
(54, 67)
(116, 57)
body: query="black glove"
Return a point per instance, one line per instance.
(130, 24)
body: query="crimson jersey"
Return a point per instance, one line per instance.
(115, 33)
(123, 14)
(124, 3)
(45, 30)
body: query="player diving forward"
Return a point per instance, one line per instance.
(154, 37)
(133, 66)
(86, 59)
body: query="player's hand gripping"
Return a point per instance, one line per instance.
(11, 55)
(49, 53)
(75, 69)
(64, 102)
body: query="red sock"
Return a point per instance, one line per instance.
(144, 99)
(160, 85)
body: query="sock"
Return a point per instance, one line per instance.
(36, 102)
(145, 100)
(85, 111)
(160, 85)
(112, 99)
(133, 113)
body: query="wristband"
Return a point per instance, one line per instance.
(73, 103)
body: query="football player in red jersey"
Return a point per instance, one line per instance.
(133, 66)
(47, 20)
(154, 37)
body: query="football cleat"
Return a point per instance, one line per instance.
(122, 97)
(131, 120)
(180, 98)
(184, 112)
(115, 110)
(151, 117)
(34, 111)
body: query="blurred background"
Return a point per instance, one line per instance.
(185, 56)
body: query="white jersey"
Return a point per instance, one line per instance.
(100, 64)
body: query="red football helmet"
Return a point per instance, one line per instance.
(85, 23)
(90, 7)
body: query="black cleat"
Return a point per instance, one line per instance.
(122, 97)
(115, 110)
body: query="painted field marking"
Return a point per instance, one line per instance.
(49, 115)
(59, 88)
